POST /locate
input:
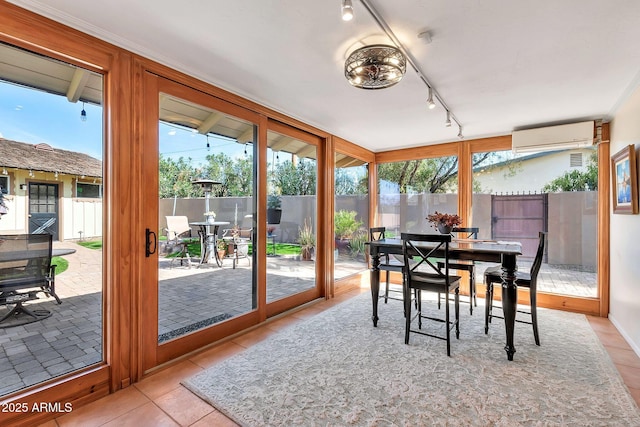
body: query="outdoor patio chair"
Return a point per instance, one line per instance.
(524, 280)
(422, 273)
(462, 265)
(179, 236)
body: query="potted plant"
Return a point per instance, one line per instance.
(307, 240)
(345, 225)
(274, 209)
(222, 248)
(444, 222)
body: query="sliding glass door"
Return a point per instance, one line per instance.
(199, 160)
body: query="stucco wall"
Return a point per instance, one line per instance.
(530, 175)
(624, 306)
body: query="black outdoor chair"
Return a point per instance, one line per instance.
(469, 266)
(422, 273)
(524, 280)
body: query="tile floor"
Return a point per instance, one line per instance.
(160, 400)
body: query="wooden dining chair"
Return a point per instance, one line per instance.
(422, 273)
(524, 280)
(463, 265)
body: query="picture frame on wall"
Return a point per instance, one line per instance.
(624, 177)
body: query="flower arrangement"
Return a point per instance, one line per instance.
(443, 220)
(210, 213)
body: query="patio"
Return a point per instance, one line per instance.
(72, 337)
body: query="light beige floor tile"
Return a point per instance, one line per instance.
(146, 415)
(159, 383)
(103, 410)
(183, 406)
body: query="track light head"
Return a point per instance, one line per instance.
(447, 123)
(430, 102)
(347, 10)
(460, 132)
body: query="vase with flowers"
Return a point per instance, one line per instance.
(210, 217)
(444, 222)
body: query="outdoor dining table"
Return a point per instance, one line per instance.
(209, 240)
(504, 253)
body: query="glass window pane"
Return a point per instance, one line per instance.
(66, 337)
(515, 197)
(351, 216)
(411, 190)
(292, 174)
(206, 211)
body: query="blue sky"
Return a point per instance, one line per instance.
(34, 117)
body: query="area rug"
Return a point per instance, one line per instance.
(336, 369)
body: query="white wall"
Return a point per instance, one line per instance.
(624, 309)
(532, 174)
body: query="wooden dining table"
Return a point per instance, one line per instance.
(504, 253)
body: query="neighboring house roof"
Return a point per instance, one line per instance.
(42, 157)
(519, 159)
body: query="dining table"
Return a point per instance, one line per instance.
(505, 253)
(208, 232)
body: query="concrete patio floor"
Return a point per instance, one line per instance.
(190, 298)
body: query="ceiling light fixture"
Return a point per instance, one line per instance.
(4, 171)
(447, 122)
(83, 114)
(56, 175)
(375, 67)
(347, 10)
(460, 132)
(408, 57)
(30, 173)
(430, 102)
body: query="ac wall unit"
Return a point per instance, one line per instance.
(561, 137)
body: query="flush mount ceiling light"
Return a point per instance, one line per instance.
(375, 67)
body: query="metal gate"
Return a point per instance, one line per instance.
(519, 218)
(43, 209)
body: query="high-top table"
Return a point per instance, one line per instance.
(208, 232)
(504, 253)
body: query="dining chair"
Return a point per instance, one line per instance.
(524, 280)
(463, 265)
(422, 273)
(389, 263)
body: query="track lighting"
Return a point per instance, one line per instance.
(460, 132)
(347, 10)
(447, 123)
(83, 114)
(430, 102)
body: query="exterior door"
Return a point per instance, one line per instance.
(43, 209)
(199, 204)
(519, 217)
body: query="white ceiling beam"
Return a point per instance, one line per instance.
(281, 143)
(246, 136)
(210, 122)
(77, 84)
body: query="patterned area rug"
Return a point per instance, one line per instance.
(336, 369)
